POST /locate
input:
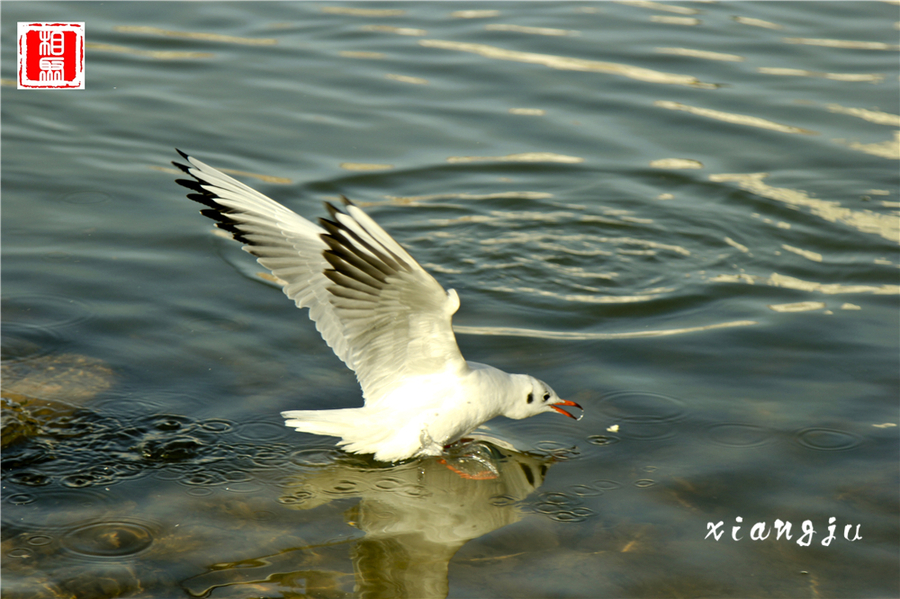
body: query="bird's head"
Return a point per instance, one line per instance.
(534, 397)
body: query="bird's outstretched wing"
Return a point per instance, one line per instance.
(374, 305)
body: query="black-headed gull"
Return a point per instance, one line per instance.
(382, 314)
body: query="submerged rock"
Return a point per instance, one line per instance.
(46, 388)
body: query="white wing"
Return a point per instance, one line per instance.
(375, 306)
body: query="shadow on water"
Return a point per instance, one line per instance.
(413, 518)
(687, 212)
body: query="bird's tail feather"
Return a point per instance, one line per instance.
(360, 431)
(333, 423)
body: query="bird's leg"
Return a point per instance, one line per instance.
(483, 475)
(462, 441)
(472, 460)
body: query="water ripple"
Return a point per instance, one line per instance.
(635, 406)
(78, 448)
(735, 434)
(87, 197)
(259, 430)
(642, 416)
(20, 499)
(44, 312)
(602, 440)
(561, 506)
(22, 342)
(315, 456)
(827, 439)
(43, 512)
(108, 539)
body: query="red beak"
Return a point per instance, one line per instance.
(566, 402)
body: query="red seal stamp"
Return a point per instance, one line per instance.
(51, 56)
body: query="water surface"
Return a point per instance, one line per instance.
(682, 216)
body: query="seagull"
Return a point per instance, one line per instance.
(383, 315)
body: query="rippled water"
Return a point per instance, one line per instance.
(682, 216)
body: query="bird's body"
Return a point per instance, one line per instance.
(382, 314)
(438, 418)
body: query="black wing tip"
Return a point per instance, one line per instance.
(182, 167)
(214, 210)
(334, 210)
(202, 196)
(192, 184)
(331, 227)
(227, 225)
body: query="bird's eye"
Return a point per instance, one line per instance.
(530, 398)
(546, 396)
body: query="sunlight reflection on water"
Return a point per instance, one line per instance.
(692, 235)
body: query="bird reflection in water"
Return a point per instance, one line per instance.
(417, 515)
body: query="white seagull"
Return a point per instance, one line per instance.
(382, 314)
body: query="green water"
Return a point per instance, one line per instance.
(682, 216)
